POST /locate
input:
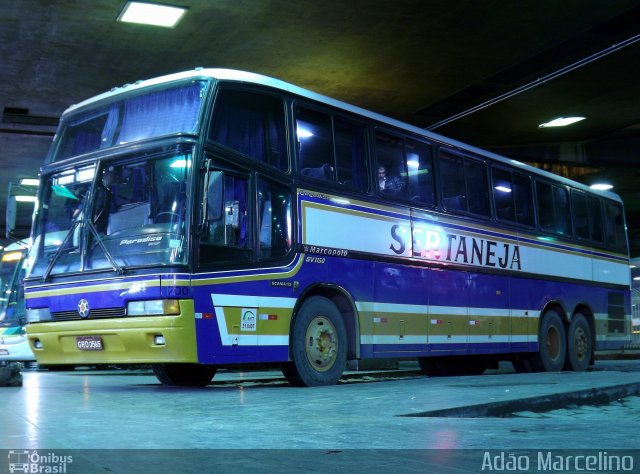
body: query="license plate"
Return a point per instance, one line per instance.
(4, 352)
(89, 343)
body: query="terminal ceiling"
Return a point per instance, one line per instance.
(487, 73)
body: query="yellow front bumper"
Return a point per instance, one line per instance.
(129, 340)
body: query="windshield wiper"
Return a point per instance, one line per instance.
(112, 261)
(56, 255)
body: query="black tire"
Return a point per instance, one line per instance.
(579, 344)
(552, 344)
(428, 366)
(184, 375)
(523, 365)
(58, 367)
(318, 345)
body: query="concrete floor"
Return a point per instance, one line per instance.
(357, 425)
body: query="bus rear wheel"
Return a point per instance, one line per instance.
(552, 345)
(184, 375)
(579, 344)
(318, 345)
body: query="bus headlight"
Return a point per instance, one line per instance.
(36, 315)
(153, 308)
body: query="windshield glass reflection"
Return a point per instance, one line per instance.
(135, 216)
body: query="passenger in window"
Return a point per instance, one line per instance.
(388, 183)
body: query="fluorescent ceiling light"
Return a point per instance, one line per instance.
(601, 186)
(26, 198)
(151, 14)
(304, 133)
(28, 182)
(561, 122)
(504, 189)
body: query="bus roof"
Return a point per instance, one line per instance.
(253, 78)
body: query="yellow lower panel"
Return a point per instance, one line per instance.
(124, 340)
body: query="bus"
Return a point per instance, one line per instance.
(215, 217)
(13, 338)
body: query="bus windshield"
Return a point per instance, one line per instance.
(170, 110)
(10, 266)
(114, 215)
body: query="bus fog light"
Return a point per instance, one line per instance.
(158, 340)
(37, 344)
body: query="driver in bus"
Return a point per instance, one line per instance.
(105, 203)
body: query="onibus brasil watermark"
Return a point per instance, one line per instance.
(550, 461)
(39, 462)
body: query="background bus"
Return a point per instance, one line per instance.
(13, 338)
(220, 217)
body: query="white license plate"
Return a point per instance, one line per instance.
(89, 343)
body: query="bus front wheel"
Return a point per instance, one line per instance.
(184, 375)
(552, 346)
(318, 345)
(579, 344)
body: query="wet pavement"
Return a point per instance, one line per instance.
(375, 412)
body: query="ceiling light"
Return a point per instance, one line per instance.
(151, 14)
(636, 279)
(28, 182)
(601, 186)
(26, 198)
(503, 189)
(561, 122)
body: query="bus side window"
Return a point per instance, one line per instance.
(595, 218)
(351, 157)
(580, 214)
(545, 207)
(475, 175)
(614, 226)
(553, 209)
(252, 124)
(420, 171)
(274, 214)
(390, 165)
(226, 220)
(453, 186)
(503, 195)
(523, 197)
(315, 144)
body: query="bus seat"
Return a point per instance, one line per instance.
(322, 172)
(455, 202)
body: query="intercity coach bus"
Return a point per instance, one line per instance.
(13, 338)
(219, 217)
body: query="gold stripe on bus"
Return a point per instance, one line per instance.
(243, 278)
(92, 288)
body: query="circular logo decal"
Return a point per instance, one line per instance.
(83, 308)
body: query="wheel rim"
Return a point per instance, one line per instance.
(580, 343)
(553, 343)
(321, 344)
